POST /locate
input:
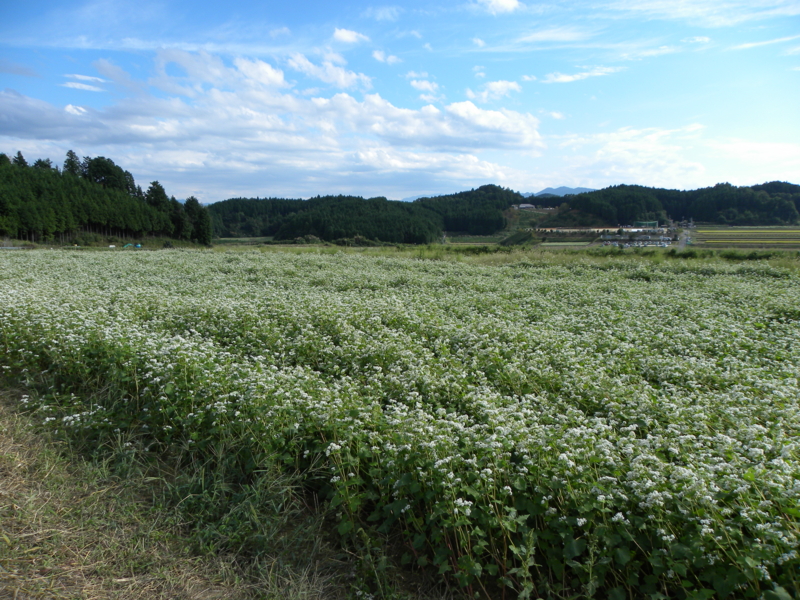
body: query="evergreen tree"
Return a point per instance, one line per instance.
(19, 160)
(39, 204)
(200, 219)
(43, 163)
(103, 171)
(157, 197)
(72, 164)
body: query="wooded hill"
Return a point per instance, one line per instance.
(477, 212)
(93, 196)
(774, 203)
(481, 212)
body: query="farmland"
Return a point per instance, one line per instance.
(555, 428)
(748, 237)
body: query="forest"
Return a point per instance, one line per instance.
(481, 211)
(774, 203)
(90, 197)
(477, 212)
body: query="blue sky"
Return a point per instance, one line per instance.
(219, 99)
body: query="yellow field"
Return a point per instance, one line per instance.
(759, 241)
(779, 237)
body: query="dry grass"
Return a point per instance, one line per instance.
(68, 530)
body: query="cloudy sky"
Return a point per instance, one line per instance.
(294, 99)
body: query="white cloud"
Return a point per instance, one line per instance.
(649, 52)
(556, 34)
(529, 78)
(424, 86)
(381, 56)
(478, 42)
(555, 115)
(416, 75)
(751, 162)
(383, 13)
(228, 139)
(792, 51)
(82, 86)
(334, 57)
(500, 6)
(348, 36)
(86, 78)
(12, 68)
(479, 71)
(593, 72)
(651, 156)
(393, 162)
(199, 68)
(430, 88)
(765, 43)
(116, 74)
(260, 72)
(494, 90)
(427, 47)
(713, 13)
(696, 40)
(279, 32)
(329, 72)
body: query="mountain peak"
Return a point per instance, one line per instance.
(559, 191)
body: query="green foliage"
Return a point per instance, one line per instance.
(517, 238)
(774, 203)
(337, 217)
(72, 164)
(94, 197)
(618, 429)
(200, 221)
(330, 218)
(19, 160)
(477, 212)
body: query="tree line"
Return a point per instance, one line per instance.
(44, 203)
(773, 203)
(477, 212)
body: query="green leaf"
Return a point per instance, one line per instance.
(701, 594)
(618, 593)
(725, 585)
(345, 527)
(778, 593)
(680, 551)
(419, 541)
(574, 548)
(622, 556)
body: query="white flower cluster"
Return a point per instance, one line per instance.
(671, 400)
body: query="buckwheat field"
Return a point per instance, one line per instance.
(616, 429)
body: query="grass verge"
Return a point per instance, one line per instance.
(114, 527)
(72, 528)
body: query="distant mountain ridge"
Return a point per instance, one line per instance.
(559, 191)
